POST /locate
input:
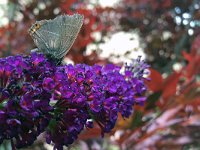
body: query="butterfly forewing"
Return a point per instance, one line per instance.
(55, 37)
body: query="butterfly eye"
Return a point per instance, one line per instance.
(37, 26)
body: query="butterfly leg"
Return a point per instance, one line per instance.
(35, 50)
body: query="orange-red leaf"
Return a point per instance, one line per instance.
(170, 85)
(155, 84)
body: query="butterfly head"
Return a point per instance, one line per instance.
(36, 26)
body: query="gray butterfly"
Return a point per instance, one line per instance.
(55, 37)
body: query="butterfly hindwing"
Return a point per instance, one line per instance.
(40, 42)
(49, 35)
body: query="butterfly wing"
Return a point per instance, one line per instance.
(55, 37)
(39, 39)
(69, 31)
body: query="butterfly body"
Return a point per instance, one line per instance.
(55, 37)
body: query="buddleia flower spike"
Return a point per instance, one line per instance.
(55, 37)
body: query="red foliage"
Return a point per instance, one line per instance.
(193, 59)
(171, 114)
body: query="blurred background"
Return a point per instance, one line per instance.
(166, 33)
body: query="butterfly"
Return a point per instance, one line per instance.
(55, 37)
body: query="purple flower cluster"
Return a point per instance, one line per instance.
(24, 104)
(37, 96)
